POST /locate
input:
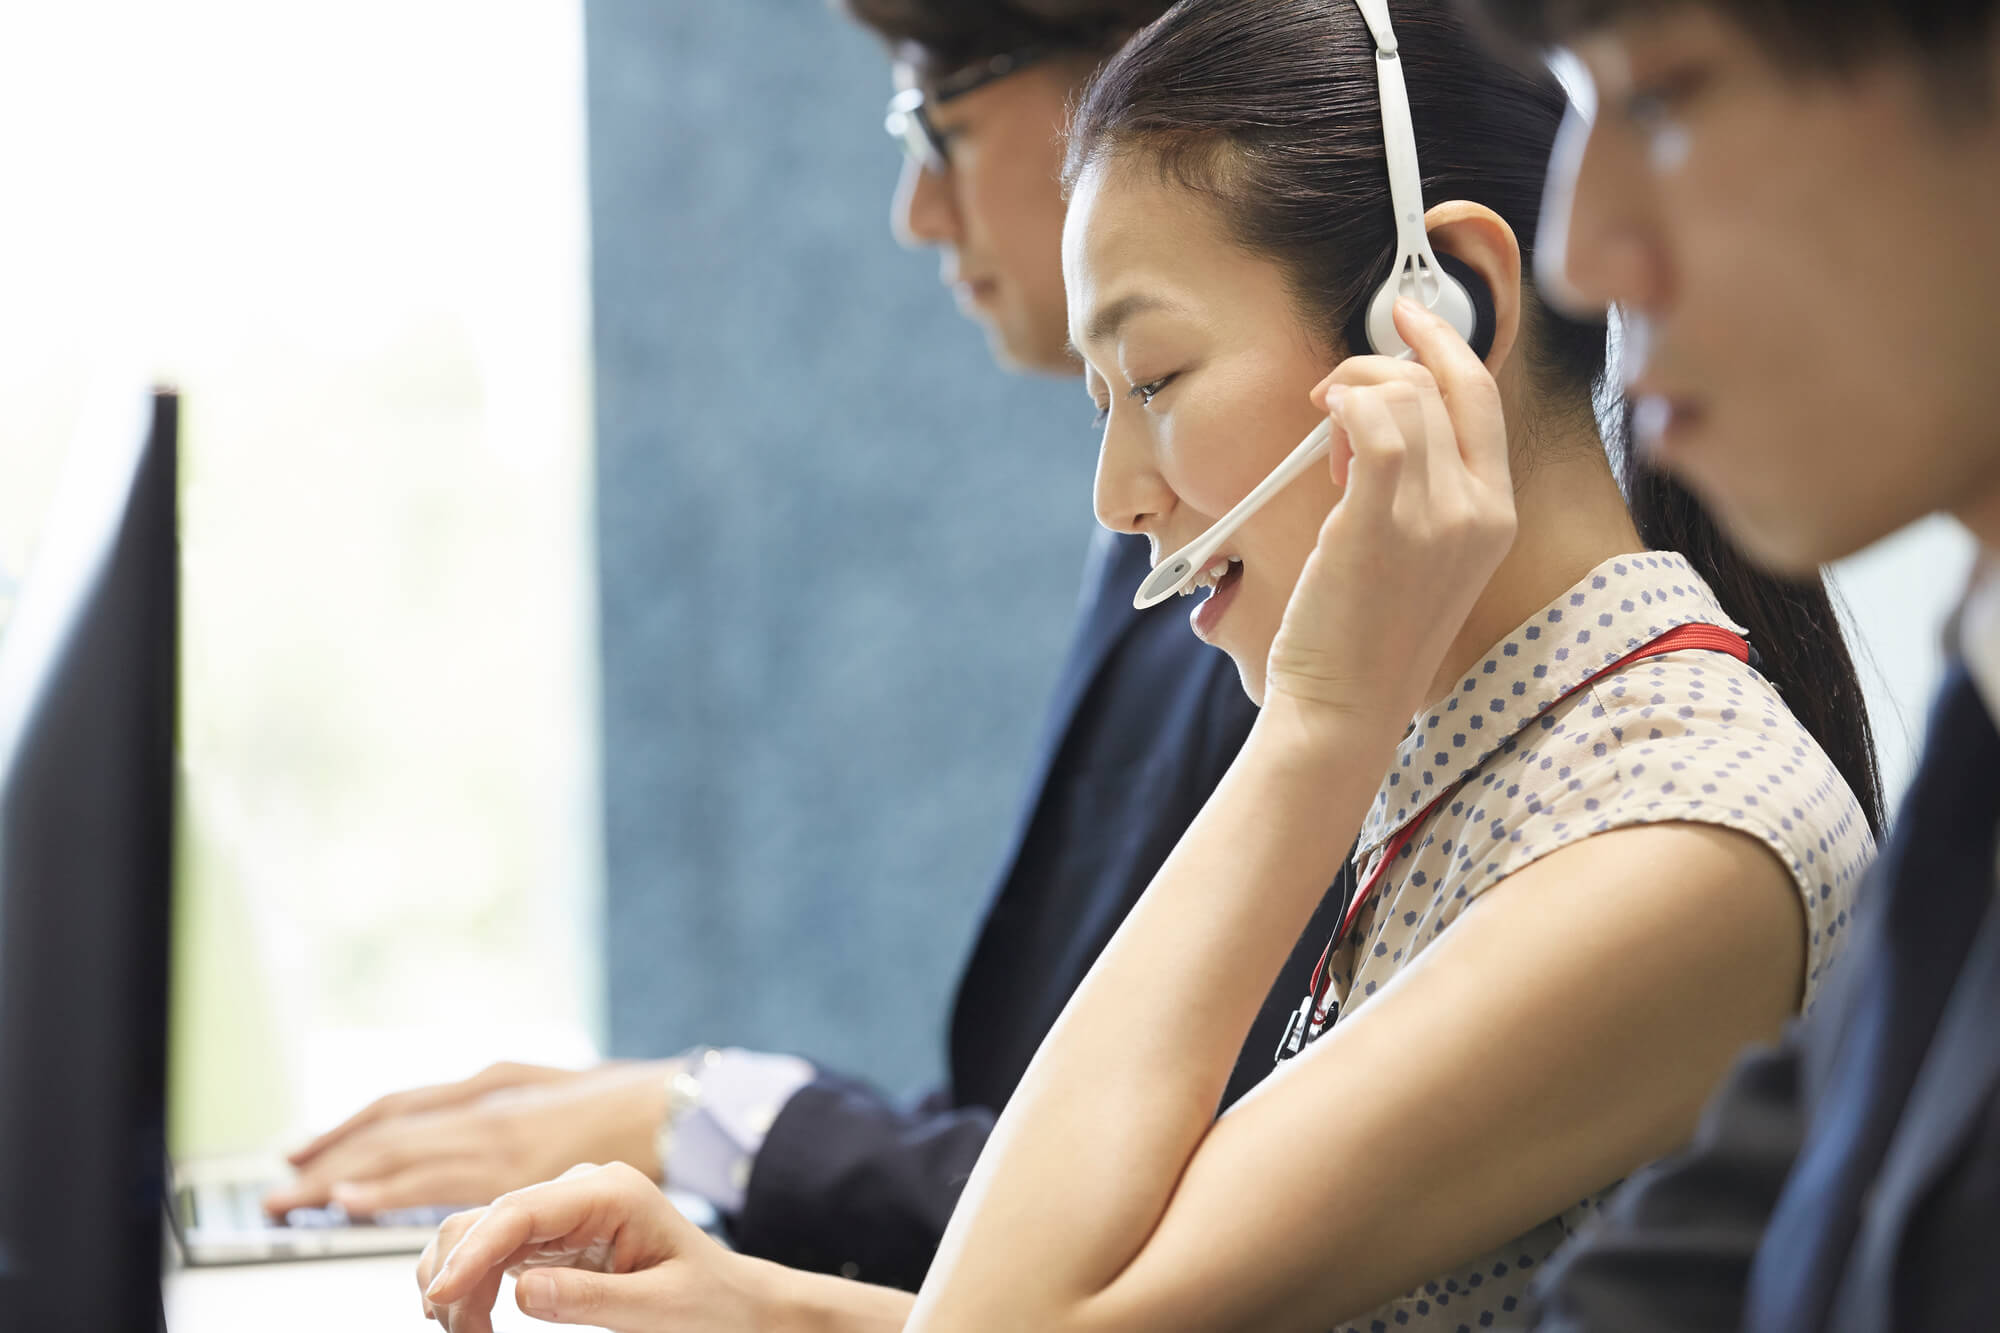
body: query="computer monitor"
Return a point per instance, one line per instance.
(87, 722)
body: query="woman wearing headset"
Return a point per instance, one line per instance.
(1603, 856)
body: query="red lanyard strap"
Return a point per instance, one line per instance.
(1711, 637)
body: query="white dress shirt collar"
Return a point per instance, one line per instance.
(1979, 631)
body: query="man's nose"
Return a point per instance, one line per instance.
(925, 211)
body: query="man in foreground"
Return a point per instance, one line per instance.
(1795, 204)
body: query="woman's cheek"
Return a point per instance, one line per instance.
(1209, 470)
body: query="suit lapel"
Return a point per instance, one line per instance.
(1114, 571)
(1114, 568)
(1951, 1096)
(1934, 887)
(1961, 1068)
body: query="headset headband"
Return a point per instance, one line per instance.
(1399, 136)
(1417, 272)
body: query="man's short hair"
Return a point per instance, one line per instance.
(941, 37)
(1808, 35)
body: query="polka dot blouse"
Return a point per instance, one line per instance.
(1689, 736)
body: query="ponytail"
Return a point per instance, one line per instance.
(1792, 622)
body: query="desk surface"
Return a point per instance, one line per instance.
(320, 1296)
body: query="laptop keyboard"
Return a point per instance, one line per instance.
(239, 1206)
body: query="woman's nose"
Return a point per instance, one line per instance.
(1130, 495)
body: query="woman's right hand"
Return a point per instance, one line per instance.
(601, 1245)
(1425, 518)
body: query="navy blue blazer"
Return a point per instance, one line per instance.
(1848, 1181)
(1145, 721)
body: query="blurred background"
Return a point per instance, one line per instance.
(620, 591)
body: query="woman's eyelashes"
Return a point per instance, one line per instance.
(1144, 393)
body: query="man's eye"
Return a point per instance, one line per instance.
(1650, 108)
(1145, 393)
(1654, 105)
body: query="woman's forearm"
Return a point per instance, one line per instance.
(817, 1303)
(1124, 1088)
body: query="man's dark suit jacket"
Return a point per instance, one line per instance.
(1145, 721)
(1848, 1181)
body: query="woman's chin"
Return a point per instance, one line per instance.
(1252, 677)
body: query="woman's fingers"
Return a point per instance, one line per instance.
(623, 1303)
(448, 1235)
(1427, 514)
(1467, 388)
(615, 1205)
(1379, 421)
(473, 1312)
(1444, 404)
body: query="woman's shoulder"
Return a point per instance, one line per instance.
(1703, 730)
(1699, 737)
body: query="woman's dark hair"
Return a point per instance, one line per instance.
(941, 37)
(1270, 109)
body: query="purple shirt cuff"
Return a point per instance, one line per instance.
(716, 1144)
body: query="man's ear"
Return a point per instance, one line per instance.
(1480, 239)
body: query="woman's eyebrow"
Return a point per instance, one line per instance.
(1108, 319)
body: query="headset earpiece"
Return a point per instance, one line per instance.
(1436, 281)
(1469, 310)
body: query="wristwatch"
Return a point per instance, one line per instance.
(683, 1096)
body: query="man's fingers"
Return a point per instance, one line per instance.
(410, 1101)
(368, 1160)
(367, 1115)
(437, 1096)
(428, 1185)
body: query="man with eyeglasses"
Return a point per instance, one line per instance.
(808, 1167)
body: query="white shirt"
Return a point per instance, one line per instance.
(1979, 630)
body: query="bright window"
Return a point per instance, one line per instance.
(354, 235)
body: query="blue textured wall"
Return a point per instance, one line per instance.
(839, 550)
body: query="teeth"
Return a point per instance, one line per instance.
(1211, 576)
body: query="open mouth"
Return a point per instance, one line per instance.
(1219, 581)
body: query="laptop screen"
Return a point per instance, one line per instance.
(87, 719)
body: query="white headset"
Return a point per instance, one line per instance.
(1417, 273)
(1439, 283)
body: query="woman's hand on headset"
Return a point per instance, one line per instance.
(1425, 518)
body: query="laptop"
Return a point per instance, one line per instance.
(217, 1216)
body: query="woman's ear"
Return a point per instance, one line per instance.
(1480, 239)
